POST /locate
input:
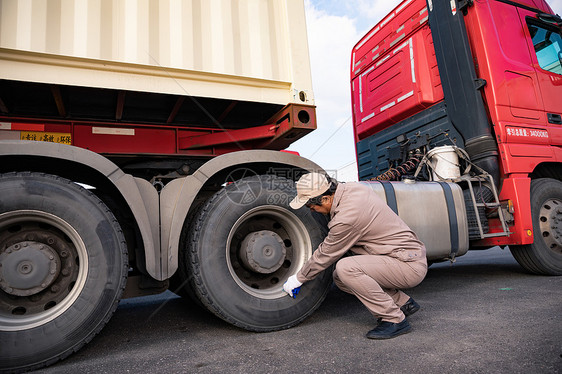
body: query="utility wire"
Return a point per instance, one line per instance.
(330, 137)
(346, 165)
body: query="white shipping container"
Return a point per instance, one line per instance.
(247, 50)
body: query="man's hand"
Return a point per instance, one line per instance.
(292, 286)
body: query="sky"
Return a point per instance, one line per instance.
(334, 27)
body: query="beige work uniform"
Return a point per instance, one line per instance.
(388, 255)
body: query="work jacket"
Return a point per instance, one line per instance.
(362, 223)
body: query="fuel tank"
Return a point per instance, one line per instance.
(435, 211)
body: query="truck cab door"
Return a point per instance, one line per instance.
(545, 45)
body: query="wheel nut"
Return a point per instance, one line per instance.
(55, 289)
(64, 254)
(65, 272)
(50, 241)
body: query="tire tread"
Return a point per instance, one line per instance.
(193, 261)
(529, 255)
(124, 254)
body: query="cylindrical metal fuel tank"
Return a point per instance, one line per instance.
(435, 211)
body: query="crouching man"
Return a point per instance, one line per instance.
(387, 255)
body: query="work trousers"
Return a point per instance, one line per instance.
(376, 280)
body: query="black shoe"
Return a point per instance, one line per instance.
(387, 330)
(410, 307)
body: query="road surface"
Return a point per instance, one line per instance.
(482, 314)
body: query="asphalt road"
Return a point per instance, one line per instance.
(483, 314)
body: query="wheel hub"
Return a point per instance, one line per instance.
(28, 267)
(263, 251)
(33, 248)
(550, 221)
(290, 249)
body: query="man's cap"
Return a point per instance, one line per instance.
(308, 186)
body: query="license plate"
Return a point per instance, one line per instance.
(53, 137)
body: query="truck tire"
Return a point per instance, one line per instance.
(243, 245)
(63, 268)
(544, 255)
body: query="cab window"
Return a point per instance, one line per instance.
(548, 47)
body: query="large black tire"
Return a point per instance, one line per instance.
(544, 256)
(243, 245)
(64, 268)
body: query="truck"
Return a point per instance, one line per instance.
(140, 151)
(457, 112)
(162, 167)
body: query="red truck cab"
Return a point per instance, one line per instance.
(483, 76)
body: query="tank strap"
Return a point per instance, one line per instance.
(390, 196)
(453, 223)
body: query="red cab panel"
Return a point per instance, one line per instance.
(394, 71)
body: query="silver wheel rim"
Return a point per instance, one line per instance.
(9, 319)
(550, 224)
(295, 237)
